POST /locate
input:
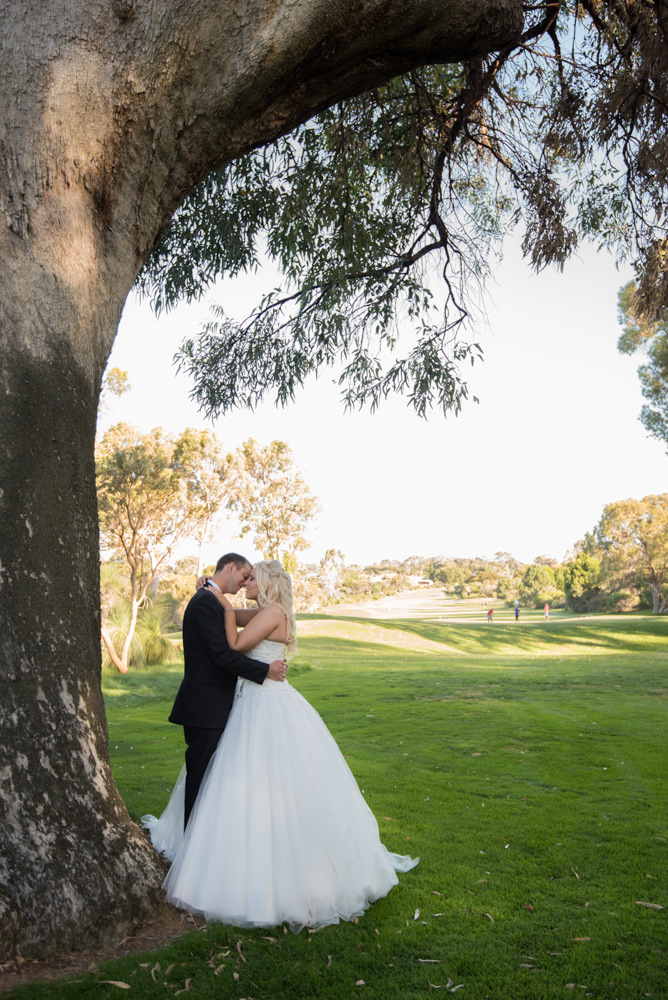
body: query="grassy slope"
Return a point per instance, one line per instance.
(526, 765)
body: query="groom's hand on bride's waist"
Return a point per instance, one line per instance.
(277, 670)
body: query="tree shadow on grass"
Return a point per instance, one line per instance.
(633, 634)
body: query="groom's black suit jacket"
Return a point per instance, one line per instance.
(211, 668)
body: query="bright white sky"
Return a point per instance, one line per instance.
(528, 470)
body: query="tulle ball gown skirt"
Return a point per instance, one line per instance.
(280, 832)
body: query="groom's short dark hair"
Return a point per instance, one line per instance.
(229, 557)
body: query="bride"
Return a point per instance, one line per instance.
(280, 832)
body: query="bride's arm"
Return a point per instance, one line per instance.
(263, 624)
(245, 615)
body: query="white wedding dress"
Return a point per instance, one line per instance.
(280, 832)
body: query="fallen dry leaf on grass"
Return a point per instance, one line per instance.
(652, 906)
(115, 982)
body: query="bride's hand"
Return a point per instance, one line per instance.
(221, 599)
(202, 582)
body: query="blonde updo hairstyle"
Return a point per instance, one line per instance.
(274, 586)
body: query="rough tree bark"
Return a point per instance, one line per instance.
(111, 110)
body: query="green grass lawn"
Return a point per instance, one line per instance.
(525, 765)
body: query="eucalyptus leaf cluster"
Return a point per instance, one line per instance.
(343, 207)
(650, 338)
(384, 212)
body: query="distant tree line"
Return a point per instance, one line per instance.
(158, 492)
(621, 565)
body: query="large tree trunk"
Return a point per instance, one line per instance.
(659, 602)
(111, 110)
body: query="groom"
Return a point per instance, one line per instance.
(204, 700)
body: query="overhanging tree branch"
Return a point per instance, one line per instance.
(434, 165)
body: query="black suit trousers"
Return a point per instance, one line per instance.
(202, 745)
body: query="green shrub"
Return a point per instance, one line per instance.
(151, 642)
(622, 601)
